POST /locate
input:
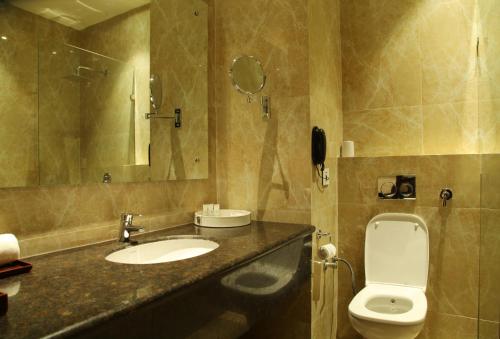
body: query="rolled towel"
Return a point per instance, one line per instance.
(9, 248)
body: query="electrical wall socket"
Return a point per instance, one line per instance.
(325, 180)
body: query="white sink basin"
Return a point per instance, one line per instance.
(163, 251)
(225, 218)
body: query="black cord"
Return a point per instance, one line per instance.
(321, 174)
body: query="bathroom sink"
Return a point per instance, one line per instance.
(225, 218)
(173, 249)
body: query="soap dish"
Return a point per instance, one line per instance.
(225, 218)
(14, 268)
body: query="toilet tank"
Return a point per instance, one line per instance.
(397, 250)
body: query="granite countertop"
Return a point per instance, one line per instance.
(75, 289)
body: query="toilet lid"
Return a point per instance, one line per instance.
(397, 250)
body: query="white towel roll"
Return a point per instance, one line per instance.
(9, 248)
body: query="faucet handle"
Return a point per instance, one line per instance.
(445, 195)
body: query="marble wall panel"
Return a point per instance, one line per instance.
(411, 84)
(489, 296)
(325, 101)
(262, 165)
(439, 325)
(490, 272)
(448, 34)
(489, 126)
(489, 80)
(488, 329)
(450, 128)
(381, 67)
(385, 131)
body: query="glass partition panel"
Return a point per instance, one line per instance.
(18, 100)
(86, 117)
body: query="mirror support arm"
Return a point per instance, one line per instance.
(177, 117)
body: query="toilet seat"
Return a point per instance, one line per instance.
(415, 315)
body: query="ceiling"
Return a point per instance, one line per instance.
(78, 14)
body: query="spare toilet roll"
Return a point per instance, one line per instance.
(348, 149)
(327, 251)
(9, 248)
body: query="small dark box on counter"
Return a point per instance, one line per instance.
(4, 303)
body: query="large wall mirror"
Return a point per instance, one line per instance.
(75, 90)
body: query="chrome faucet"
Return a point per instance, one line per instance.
(445, 195)
(127, 227)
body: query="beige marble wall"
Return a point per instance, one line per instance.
(454, 231)
(489, 80)
(181, 153)
(489, 295)
(53, 218)
(411, 84)
(263, 165)
(325, 100)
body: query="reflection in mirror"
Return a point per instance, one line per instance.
(82, 74)
(182, 66)
(156, 92)
(247, 74)
(100, 79)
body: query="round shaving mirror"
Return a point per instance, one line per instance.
(247, 74)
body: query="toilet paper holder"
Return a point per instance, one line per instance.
(320, 234)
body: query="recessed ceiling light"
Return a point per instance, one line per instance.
(3, 37)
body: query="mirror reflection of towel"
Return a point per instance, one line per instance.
(10, 288)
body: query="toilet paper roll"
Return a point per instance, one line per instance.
(9, 248)
(348, 149)
(327, 251)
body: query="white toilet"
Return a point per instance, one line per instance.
(393, 303)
